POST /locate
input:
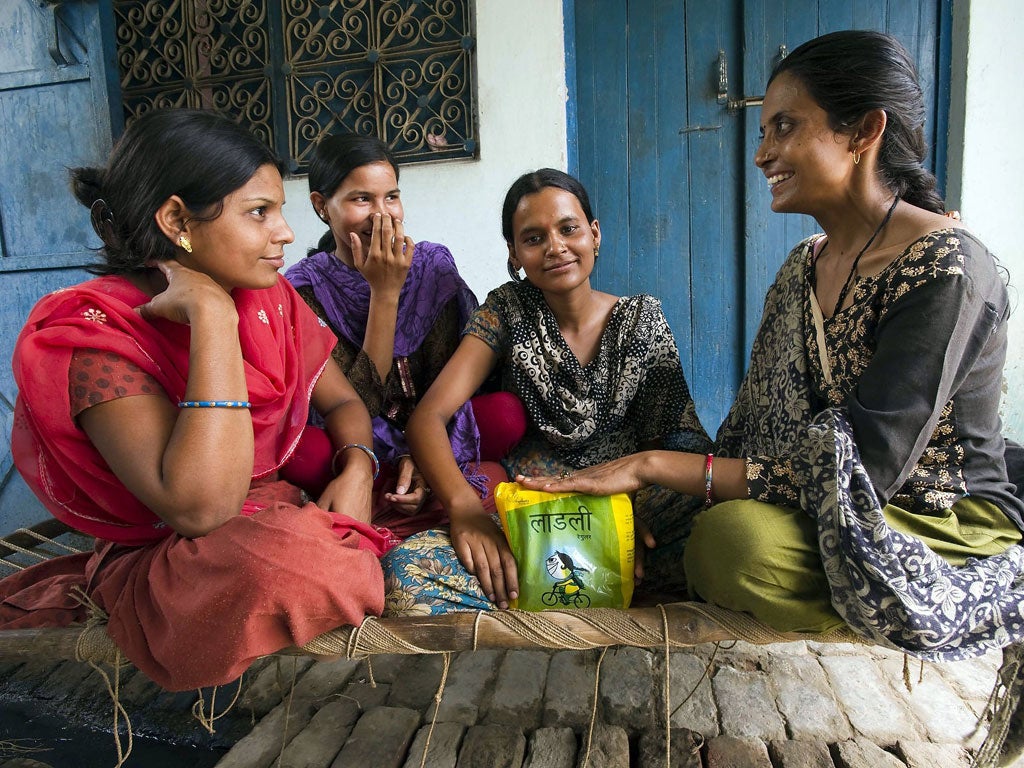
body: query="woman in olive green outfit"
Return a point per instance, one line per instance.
(862, 465)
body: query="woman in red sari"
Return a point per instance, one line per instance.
(157, 403)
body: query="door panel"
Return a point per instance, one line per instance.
(684, 213)
(602, 104)
(658, 200)
(645, 127)
(769, 25)
(55, 113)
(713, 177)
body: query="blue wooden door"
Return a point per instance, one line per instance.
(684, 214)
(55, 113)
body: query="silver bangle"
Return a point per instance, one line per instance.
(365, 449)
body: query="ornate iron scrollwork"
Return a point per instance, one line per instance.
(298, 69)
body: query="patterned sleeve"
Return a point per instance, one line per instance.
(486, 324)
(440, 342)
(772, 481)
(95, 377)
(665, 409)
(354, 363)
(941, 312)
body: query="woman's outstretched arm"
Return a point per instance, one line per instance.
(683, 472)
(478, 542)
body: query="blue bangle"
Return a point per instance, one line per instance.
(214, 404)
(368, 451)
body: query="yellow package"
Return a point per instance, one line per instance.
(572, 550)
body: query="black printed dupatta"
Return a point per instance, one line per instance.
(887, 585)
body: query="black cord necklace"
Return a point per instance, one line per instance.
(856, 261)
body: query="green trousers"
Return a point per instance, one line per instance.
(755, 557)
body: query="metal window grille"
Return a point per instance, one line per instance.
(295, 70)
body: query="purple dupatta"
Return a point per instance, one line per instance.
(433, 281)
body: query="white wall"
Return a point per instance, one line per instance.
(987, 157)
(521, 100)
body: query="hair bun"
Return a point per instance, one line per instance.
(87, 185)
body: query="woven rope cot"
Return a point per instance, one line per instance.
(672, 625)
(665, 625)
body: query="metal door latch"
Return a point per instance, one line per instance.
(49, 9)
(735, 105)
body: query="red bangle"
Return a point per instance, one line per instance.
(709, 465)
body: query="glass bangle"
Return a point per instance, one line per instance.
(709, 465)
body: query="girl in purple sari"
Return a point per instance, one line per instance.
(398, 309)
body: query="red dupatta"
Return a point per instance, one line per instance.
(284, 346)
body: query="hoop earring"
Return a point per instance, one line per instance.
(513, 272)
(185, 243)
(856, 157)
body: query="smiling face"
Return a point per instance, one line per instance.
(367, 190)
(552, 239)
(244, 246)
(808, 165)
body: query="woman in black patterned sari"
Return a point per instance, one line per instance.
(599, 377)
(861, 469)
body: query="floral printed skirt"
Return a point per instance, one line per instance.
(424, 576)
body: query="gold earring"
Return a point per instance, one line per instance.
(856, 157)
(185, 243)
(597, 249)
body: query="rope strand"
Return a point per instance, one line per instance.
(593, 709)
(668, 690)
(437, 706)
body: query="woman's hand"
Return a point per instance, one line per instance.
(347, 423)
(386, 264)
(622, 475)
(187, 293)
(385, 267)
(483, 550)
(643, 540)
(682, 472)
(411, 490)
(351, 492)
